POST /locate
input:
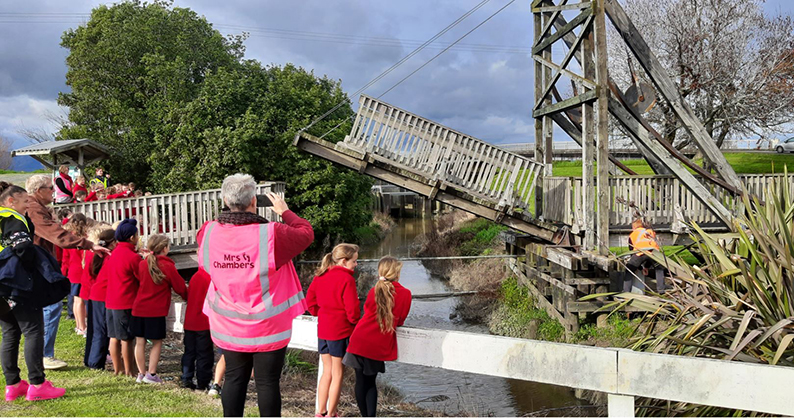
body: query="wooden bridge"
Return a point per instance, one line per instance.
(413, 152)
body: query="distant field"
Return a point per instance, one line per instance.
(742, 162)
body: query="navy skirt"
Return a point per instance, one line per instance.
(368, 366)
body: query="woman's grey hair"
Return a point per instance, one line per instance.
(36, 182)
(238, 190)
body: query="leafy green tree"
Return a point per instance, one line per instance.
(182, 109)
(129, 66)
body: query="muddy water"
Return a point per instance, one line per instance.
(450, 391)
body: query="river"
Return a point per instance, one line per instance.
(450, 391)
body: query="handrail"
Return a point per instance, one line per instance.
(405, 140)
(177, 215)
(621, 373)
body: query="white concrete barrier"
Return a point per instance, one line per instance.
(623, 374)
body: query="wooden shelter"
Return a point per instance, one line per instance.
(75, 152)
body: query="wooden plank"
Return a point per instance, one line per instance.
(592, 306)
(566, 104)
(602, 128)
(536, 274)
(561, 8)
(589, 130)
(563, 258)
(548, 40)
(667, 88)
(576, 281)
(540, 298)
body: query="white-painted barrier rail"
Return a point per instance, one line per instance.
(621, 373)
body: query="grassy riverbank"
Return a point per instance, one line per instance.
(100, 393)
(503, 305)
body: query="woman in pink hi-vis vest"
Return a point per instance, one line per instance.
(254, 292)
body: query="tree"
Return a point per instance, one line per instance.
(129, 66)
(182, 109)
(244, 119)
(733, 64)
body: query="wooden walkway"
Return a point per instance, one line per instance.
(423, 156)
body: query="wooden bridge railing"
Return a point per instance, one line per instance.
(663, 199)
(178, 215)
(439, 153)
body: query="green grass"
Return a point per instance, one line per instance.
(615, 334)
(515, 315)
(478, 235)
(25, 172)
(742, 163)
(99, 393)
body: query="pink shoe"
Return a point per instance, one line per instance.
(319, 415)
(45, 391)
(13, 392)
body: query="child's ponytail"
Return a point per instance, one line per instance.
(156, 244)
(340, 252)
(388, 271)
(105, 238)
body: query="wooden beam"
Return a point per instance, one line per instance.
(589, 130)
(325, 149)
(654, 162)
(626, 119)
(574, 131)
(549, 84)
(540, 144)
(574, 101)
(548, 24)
(667, 88)
(602, 128)
(561, 8)
(570, 74)
(548, 40)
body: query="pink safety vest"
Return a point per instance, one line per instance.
(250, 304)
(61, 197)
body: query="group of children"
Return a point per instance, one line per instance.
(121, 301)
(363, 343)
(75, 191)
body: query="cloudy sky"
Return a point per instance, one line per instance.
(482, 87)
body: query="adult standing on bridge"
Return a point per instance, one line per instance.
(48, 233)
(254, 292)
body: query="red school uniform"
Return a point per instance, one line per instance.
(72, 264)
(154, 300)
(99, 284)
(122, 276)
(367, 339)
(195, 319)
(333, 299)
(86, 280)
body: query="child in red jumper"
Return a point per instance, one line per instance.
(95, 288)
(374, 340)
(158, 275)
(332, 297)
(72, 267)
(199, 354)
(122, 286)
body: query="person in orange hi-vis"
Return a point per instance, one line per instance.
(642, 238)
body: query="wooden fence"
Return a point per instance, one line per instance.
(663, 199)
(438, 153)
(178, 216)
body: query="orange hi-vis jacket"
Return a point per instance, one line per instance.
(643, 239)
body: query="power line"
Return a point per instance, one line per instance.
(446, 49)
(397, 64)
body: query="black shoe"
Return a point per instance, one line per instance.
(215, 390)
(188, 385)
